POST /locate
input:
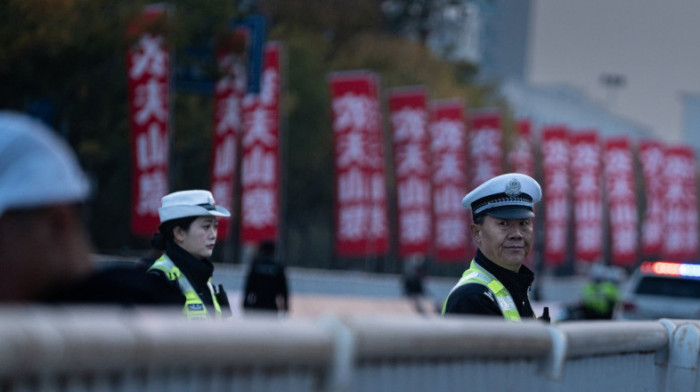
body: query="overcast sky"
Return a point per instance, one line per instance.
(654, 44)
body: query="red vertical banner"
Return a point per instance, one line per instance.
(408, 115)
(555, 156)
(361, 224)
(680, 204)
(585, 171)
(148, 70)
(229, 91)
(520, 157)
(486, 151)
(378, 232)
(621, 201)
(651, 157)
(260, 173)
(449, 180)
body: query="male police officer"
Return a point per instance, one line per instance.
(497, 283)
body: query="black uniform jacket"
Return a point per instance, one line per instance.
(474, 298)
(197, 271)
(122, 284)
(265, 281)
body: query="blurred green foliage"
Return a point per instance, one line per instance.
(67, 57)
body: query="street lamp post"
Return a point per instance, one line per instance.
(612, 83)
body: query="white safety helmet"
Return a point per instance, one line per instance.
(37, 167)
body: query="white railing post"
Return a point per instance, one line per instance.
(683, 359)
(552, 365)
(341, 372)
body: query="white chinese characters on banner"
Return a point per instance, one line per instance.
(152, 153)
(555, 154)
(651, 156)
(485, 148)
(229, 91)
(413, 193)
(229, 109)
(225, 157)
(260, 153)
(353, 222)
(360, 199)
(409, 122)
(486, 143)
(151, 148)
(521, 160)
(353, 112)
(587, 195)
(409, 125)
(150, 58)
(352, 149)
(259, 169)
(451, 233)
(148, 77)
(521, 156)
(378, 228)
(621, 201)
(449, 180)
(411, 159)
(152, 186)
(680, 204)
(259, 207)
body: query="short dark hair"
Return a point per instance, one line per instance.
(479, 219)
(165, 231)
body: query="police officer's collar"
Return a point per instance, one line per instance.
(197, 271)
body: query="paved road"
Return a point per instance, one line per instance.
(554, 291)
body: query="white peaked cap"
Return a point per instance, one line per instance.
(37, 167)
(189, 203)
(508, 196)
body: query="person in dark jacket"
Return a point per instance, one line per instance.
(266, 283)
(187, 234)
(45, 252)
(497, 283)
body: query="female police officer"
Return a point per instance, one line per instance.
(187, 234)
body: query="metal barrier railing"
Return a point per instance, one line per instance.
(103, 349)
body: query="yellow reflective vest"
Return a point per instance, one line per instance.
(477, 274)
(600, 297)
(194, 307)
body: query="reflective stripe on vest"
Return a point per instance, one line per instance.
(477, 274)
(194, 306)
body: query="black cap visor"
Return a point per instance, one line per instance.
(510, 212)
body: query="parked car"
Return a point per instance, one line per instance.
(661, 289)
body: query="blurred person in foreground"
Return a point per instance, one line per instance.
(497, 283)
(45, 253)
(266, 284)
(187, 233)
